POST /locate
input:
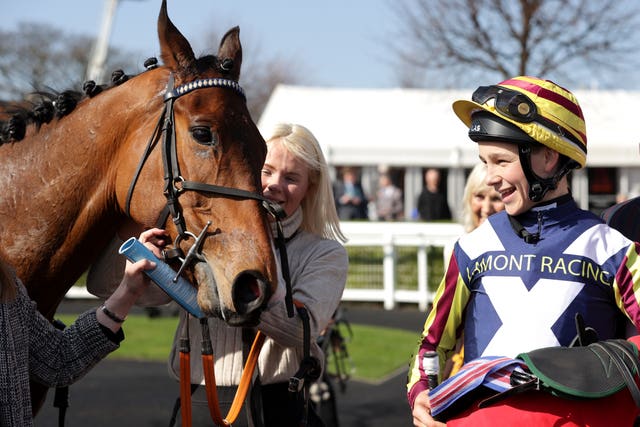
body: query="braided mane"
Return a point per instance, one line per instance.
(42, 107)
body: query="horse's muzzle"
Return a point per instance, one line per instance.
(239, 303)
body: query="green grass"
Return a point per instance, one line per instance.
(146, 338)
(375, 352)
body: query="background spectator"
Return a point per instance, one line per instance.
(351, 203)
(389, 204)
(432, 203)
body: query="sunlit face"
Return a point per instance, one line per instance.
(505, 174)
(485, 201)
(285, 178)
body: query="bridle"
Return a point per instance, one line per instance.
(174, 186)
(174, 183)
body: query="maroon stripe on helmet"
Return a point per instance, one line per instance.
(546, 94)
(561, 100)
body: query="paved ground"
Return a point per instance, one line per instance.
(123, 394)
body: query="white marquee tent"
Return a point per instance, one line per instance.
(415, 128)
(418, 127)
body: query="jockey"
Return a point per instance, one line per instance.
(517, 282)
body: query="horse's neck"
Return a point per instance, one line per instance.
(59, 204)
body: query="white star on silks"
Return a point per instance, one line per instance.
(527, 316)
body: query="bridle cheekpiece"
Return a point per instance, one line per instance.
(175, 184)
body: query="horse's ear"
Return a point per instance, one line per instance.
(230, 48)
(175, 50)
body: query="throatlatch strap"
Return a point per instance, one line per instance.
(281, 244)
(147, 152)
(309, 370)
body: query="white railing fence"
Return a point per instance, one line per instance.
(377, 250)
(392, 239)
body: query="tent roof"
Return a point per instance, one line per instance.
(417, 127)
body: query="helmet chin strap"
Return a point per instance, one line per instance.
(539, 186)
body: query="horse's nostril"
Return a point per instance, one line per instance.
(254, 288)
(248, 292)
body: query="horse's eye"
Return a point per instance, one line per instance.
(203, 135)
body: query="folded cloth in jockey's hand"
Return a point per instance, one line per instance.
(492, 372)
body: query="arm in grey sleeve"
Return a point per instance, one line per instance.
(318, 276)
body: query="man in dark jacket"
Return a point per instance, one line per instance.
(432, 203)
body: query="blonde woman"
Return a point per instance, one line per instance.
(479, 199)
(295, 175)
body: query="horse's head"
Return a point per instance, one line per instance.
(209, 173)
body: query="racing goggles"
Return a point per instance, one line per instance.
(519, 107)
(510, 103)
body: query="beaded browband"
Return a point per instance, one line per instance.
(204, 83)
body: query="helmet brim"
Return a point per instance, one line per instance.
(464, 109)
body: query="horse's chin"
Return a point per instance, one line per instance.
(242, 320)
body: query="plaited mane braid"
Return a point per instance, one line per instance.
(47, 105)
(41, 107)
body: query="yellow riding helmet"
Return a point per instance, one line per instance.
(546, 112)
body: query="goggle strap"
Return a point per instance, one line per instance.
(561, 130)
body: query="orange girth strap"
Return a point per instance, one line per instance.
(185, 388)
(243, 387)
(185, 372)
(210, 379)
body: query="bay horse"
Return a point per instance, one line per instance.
(75, 171)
